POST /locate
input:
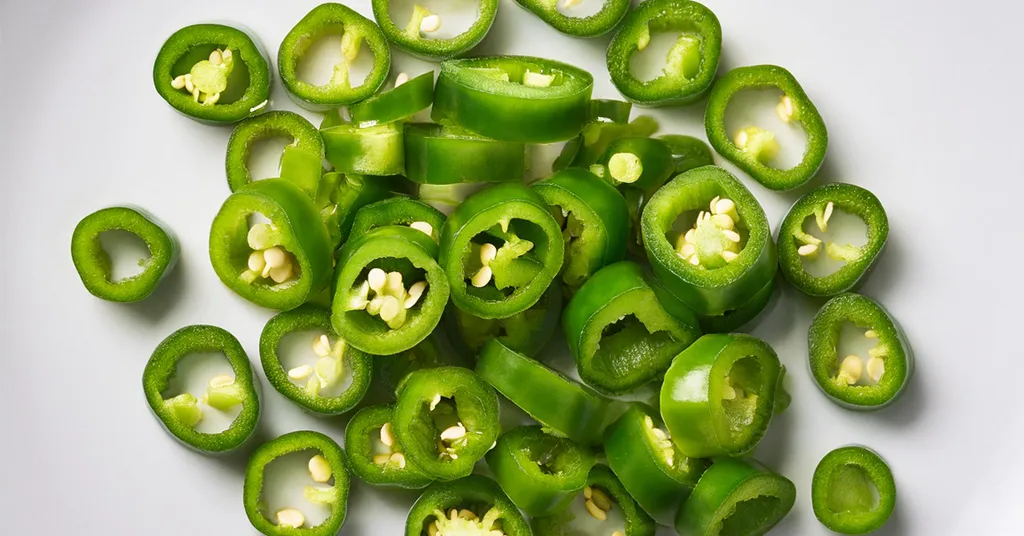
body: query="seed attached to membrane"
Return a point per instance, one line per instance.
(598, 503)
(185, 408)
(290, 517)
(391, 300)
(268, 260)
(533, 79)
(567, 4)
(787, 110)
(757, 142)
(483, 276)
(875, 368)
(320, 469)
(851, 369)
(208, 78)
(712, 242)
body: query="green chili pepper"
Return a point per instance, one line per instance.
(448, 155)
(719, 395)
(93, 262)
(726, 257)
(687, 152)
(341, 196)
(621, 336)
(514, 98)
(280, 264)
(389, 370)
(506, 234)
(592, 143)
(733, 320)
(371, 150)
(181, 414)
(798, 244)
(604, 490)
(402, 101)
(301, 161)
(471, 505)
(415, 37)
(374, 454)
(691, 63)
(650, 467)
(851, 381)
(399, 211)
(612, 110)
(638, 162)
(527, 332)
(753, 149)
(212, 73)
(355, 29)
(736, 496)
(600, 23)
(327, 469)
(853, 491)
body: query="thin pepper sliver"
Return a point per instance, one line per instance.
(397, 103)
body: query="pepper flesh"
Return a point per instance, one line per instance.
(586, 149)
(527, 332)
(687, 152)
(397, 211)
(853, 491)
(300, 161)
(488, 511)
(603, 480)
(390, 370)
(736, 496)
(372, 425)
(611, 110)
(340, 197)
(600, 23)
(398, 103)
(435, 154)
(410, 39)
(371, 150)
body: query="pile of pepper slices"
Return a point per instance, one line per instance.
(648, 255)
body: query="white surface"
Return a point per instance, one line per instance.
(922, 102)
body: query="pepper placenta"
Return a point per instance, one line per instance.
(415, 37)
(93, 262)
(527, 332)
(600, 23)
(182, 413)
(754, 149)
(736, 496)
(853, 491)
(402, 101)
(450, 155)
(471, 505)
(301, 160)
(399, 211)
(852, 381)
(691, 63)
(374, 454)
(687, 152)
(514, 98)
(718, 396)
(355, 29)
(370, 150)
(601, 497)
(329, 485)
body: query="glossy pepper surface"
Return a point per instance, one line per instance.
(340, 197)
(436, 154)
(413, 39)
(390, 370)
(397, 103)
(853, 491)
(399, 211)
(365, 150)
(687, 152)
(593, 25)
(488, 509)
(374, 454)
(736, 496)
(301, 160)
(608, 503)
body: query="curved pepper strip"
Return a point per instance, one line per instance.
(439, 510)
(301, 161)
(621, 336)
(853, 491)
(195, 73)
(373, 453)
(724, 279)
(740, 496)
(868, 383)
(691, 63)
(295, 226)
(394, 318)
(612, 110)
(447, 155)
(643, 457)
(180, 414)
(398, 103)
(528, 251)
(336, 361)
(636, 522)
(340, 197)
(514, 98)
(687, 152)
(600, 23)
(371, 150)
(355, 29)
(759, 145)
(527, 332)
(719, 395)
(333, 493)
(585, 150)
(93, 262)
(412, 39)
(797, 244)
(399, 211)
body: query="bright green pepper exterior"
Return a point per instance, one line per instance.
(853, 491)
(600, 23)
(411, 40)
(736, 496)
(301, 161)
(373, 150)
(361, 434)
(527, 332)
(340, 197)
(397, 103)
(447, 155)
(688, 152)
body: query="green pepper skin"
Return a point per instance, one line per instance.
(476, 493)
(447, 155)
(694, 405)
(191, 44)
(302, 233)
(600, 23)
(397, 211)
(828, 480)
(326, 19)
(486, 96)
(735, 319)
(432, 49)
(654, 155)
(765, 77)
(671, 88)
(390, 370)
(637, 522)
(585, 150)
(93, 263)
(252, 489)
(340, 197)
(738, 495)
(160, 370)
(613, 110)
(374, 150)
(300, 162)
(527, 332)
(397, 103)
(823, 340)
(360, 436)
(687, 152)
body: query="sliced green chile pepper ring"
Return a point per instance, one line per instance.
(795, 244)
(93, 263)
(397, 103)
(389, 468)
(371, 150)
(237, 85)
(480, 495)
(691, 64)
(859, 382)
(180, 414)
(740, 494)
(334, 495)
(398, 211)
(446, 155)
(301, 162)
(594, 25)
(799, 108)
(853, 491)
(411, 39)
(637, 522)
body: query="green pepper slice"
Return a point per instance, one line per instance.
(540, 472)
(371, 150)
(402, 101)
(93, 262)
(604, 499)
(514, 98)
(707, 267)
(281, 264)
(472, 505)
(181, 414)
(399, 211)
(447, 155)
(691, 63)
(719, 395)
(735, 319)
(212, 73)
(736, 496)
(329, 485)
(867, 383)
(752, 149)
(374, 454)
(390, 370)
(527, 332)
(585, 150)
(415, 37)
(642, 455)
(409, 290)
(613, 110)
(340, 197)
(621, 336)
(355, 29)
(853, 491)
(799, 246)
(637, 166)
(600, 23)
(300, 161)
(687, 152)
(501, 249)
(445, 420)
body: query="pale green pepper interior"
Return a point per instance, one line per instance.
(666, 52)
(835, 241)
(334, 56)
(749, 515)
(520, 245)
(235, 81)
(741, 389)
(123, 255)
(851, 490)
(769, 139)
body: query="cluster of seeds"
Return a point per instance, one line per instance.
(393, 456)
(268, 260)
(853, 367)
(598, 504)
(712, 242)
(391, 299)
(208, 78)
(663, 441)
(328, 369)
(463, 521)
(451, 437)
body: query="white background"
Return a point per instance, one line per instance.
(922, 101)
